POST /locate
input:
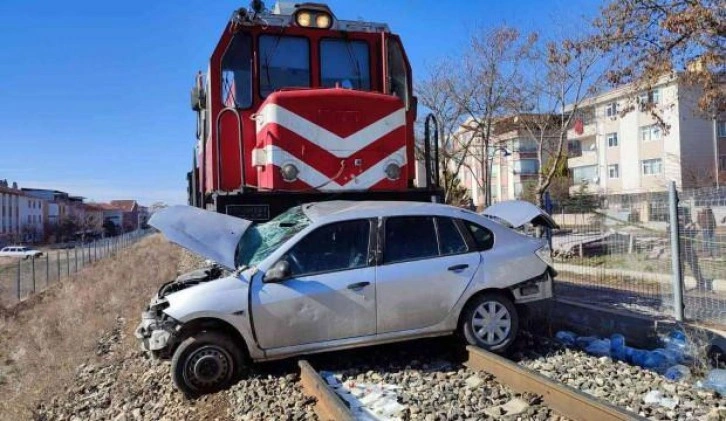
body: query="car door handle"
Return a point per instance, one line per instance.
(458, 268)
(358, 285)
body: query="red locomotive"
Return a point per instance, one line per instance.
(299, 106)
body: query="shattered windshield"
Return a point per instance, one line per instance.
(261, 240)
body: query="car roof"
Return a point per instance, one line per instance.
(346, 209)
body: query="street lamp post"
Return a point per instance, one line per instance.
(490, 159)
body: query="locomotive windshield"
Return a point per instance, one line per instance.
(237, 72)
(345, 63)
(284, 63)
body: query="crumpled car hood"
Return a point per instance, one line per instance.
(520, 212)
(209, 234)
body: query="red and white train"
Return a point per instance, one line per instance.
(299, 106)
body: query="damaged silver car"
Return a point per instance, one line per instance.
(335, 275)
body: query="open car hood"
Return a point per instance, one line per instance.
(209, 234)
(519, 212)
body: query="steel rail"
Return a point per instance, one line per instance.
(561, 398)
(328, 406)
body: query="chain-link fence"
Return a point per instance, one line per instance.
(22, 277)
(619, 254)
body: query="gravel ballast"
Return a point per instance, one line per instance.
(619, 383)
(434, 385)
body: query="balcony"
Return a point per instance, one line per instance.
(586, 159)
(587, 131)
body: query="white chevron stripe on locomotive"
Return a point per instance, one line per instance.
(312, 177)
(341, 147)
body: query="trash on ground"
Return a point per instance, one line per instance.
(656, 398)
(668, 359)
(678, 372)
(716, 380)
(367, 401)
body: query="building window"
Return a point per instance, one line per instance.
(722, 128)
(652, 166)
(526, 166)
(524, 145)
(652, 97)
(612, 140)
(650, 133)
(612, 109)
(722, 163)
(574, 148)
(586, 174)
(613, 171)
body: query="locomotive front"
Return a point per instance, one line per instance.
(298, 106)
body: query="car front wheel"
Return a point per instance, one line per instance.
(490, 321)
(206, 362)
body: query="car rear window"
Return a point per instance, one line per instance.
(450, 239)
(483, 237)
(409, 238)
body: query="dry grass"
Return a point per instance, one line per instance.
(44, 339)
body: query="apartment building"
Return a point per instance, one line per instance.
(512, 159)
(617, 148)
(22, 217)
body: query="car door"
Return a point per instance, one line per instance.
(329, 294)
(426, 266)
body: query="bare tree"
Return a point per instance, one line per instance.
(483, 87)
(434, 94)
(562, 74)
(647, 39)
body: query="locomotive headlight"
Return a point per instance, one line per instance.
(393, 171)
(304, 19)
(289, 172)
(322, 21)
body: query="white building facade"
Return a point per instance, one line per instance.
(620, 150)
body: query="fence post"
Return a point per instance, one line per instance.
(68, 263)
(58, 260)
(47, 269)
(18, 279)
(75, 257)
(675, 252)
(32, 263)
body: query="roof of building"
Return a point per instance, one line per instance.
(94, 206)
(10, 190)
(125, 205)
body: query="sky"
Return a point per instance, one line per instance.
(94, 96)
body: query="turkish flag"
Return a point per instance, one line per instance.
(579, 126)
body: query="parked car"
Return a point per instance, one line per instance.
(19, 251)
(334, 275)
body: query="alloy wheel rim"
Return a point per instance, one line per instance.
(491, 323)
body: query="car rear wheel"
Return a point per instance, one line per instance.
(206, 362)
(490, 321)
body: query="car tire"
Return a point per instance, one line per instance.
(480, 329)
(206, 362)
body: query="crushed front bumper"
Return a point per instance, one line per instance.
(157, 333)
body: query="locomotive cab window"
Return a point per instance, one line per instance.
(237, 72)
(345, 63)
(284, 63)
(397, 72)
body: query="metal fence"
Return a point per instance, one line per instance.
(621, 254)
(20, 278)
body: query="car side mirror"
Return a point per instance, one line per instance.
(278, 272)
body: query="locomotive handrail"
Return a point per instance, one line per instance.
(218, 144)
(432, 168)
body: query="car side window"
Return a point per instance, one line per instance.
(483, 237)
(333, 247)
(409, 238)
(450, 239)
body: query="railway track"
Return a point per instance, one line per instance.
(564, 401)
